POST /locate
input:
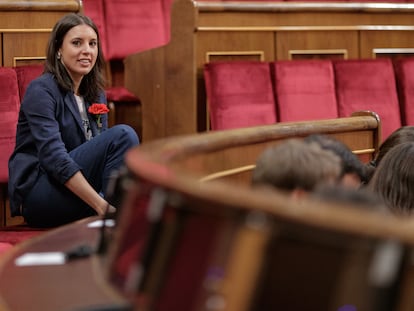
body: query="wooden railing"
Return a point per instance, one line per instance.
(211, 236)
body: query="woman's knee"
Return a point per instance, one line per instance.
(126, 134)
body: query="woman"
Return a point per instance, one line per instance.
(65, 154)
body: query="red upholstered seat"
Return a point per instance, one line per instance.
(120, 94)
(13, 83)
(305, 90)
(9, 110)
(239, 94)
(404, 73)
(368, 84)
(16, 234)
(25, 74)
(128, 27)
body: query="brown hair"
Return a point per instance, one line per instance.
(350, 162)
(401, 135)
(93, 83)
(294, 164)
(393, 179)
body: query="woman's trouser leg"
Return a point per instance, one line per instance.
(51, 204)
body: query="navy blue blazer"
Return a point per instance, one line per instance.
(49, 127)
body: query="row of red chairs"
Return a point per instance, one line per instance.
(250, 93)
(13, 84)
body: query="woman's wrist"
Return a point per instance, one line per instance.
(101, 206)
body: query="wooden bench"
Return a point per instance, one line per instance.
(213, 241)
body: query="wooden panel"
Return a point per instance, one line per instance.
(41, 5)
(282, 15)
(319, 44)
(24, 48)
(165, 83)
(371, 40)
(25, 27)
(234, 45)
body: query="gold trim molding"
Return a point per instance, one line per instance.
(246, 168)
(364, 151)
(26, 58)
(377, 51)
(235, 53)
(307, 28)
(229, 172)
(21, 30)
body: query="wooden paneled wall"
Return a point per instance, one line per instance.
(169, 80)
(25, 27)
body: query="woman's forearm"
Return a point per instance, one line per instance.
(81, 187)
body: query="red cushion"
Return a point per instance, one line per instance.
(120, 94)
(25, 74)
(239, 94)
(404, 72)
(368, 84)
(9, 110)
(19, 233)
(14, 237)
(95, 10)
(305, 90)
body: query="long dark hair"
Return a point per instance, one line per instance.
(393, 180)
(93, 83)
(399, 136)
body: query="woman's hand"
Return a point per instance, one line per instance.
(80, 186)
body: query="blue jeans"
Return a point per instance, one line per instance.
(51, 204)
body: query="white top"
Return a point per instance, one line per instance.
(84, 116)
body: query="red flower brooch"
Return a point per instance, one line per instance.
(98, 110)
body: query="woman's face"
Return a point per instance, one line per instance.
(79, 51)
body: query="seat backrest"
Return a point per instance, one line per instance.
(305, 90)
(239, 94)
(368, 84)
(25, 74)
(404, 74)
(9, 111)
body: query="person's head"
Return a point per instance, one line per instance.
(393, 179)
(294, 165)
(340, 194)
(74, 54)
(353, 170)
(401, 135)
